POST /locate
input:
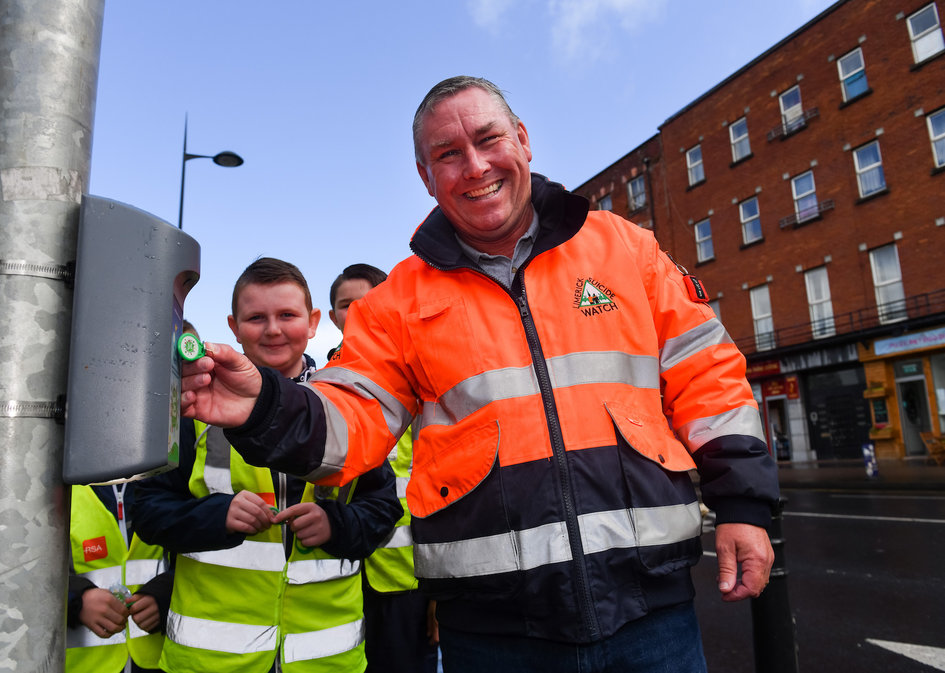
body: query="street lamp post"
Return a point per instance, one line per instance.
(225, 159)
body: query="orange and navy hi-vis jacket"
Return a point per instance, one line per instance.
(558, 420)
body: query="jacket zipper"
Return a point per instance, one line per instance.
(588, 613)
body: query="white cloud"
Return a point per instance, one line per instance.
(585, 27)
(488, 14)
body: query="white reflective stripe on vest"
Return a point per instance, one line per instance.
(399, 537)
(217, 479)
(80, 636)
(650, 526)
(136, 631)
(103, 577)
(139, 571)
(250, 555)
(741, 421)
(321, 570)
(547, 544)
(573, 369)
(402, 487)
(700, 337)
(324, 643)
(204, 634)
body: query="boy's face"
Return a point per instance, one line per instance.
(273, 325)
(348, 292)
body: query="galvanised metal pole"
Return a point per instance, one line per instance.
(49, 58)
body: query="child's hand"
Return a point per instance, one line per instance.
(102, 613)
(144, 610)
(309, 523)
(248, 514)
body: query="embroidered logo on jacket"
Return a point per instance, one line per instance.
(592, 297)
(94, 548)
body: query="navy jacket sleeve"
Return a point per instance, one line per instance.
(358, 527)
(166, 513)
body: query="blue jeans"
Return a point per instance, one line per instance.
(665, 641)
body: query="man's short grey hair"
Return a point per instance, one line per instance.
(446, 89)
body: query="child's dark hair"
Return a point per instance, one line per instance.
(269, 271)
(371, 274)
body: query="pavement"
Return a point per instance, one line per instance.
(909, 474)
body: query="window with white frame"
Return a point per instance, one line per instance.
(887, 281)
(818, 299)
(852, 74)
(925, 31)
(751, 220)
(605, 203)
(636, 192)
(716, 308)
(792, 113)
(936, 122)
(704, 249)
(738, 134)
(694, 164)
(762, 318)
(869, 169)
(805, 196)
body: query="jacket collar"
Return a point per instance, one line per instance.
(560, 216)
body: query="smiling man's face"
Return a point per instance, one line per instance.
(475, 164)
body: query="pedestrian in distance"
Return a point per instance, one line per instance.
(400, 627)
(567, 375)
(268, 566)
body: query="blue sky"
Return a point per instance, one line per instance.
(318, 98)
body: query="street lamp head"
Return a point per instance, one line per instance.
(228, 159)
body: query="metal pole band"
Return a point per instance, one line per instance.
(20, 409)
(21, 267)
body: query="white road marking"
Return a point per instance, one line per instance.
(900, 519)
(924, 654)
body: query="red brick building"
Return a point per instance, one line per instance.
(807, 191)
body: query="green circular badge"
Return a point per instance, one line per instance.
(190, 347)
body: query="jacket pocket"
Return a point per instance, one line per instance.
(454, 464)
(650, 436)
(445, 343)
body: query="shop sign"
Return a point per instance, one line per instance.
(792, 387)
(761, 369)
(908, 342)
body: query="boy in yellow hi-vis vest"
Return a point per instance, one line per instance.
(268, 565)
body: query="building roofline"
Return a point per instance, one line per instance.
(755, 61)
(599, 173)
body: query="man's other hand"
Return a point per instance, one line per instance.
(741, 544)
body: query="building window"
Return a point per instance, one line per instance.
(925, 31)
(694, 163)
(704, 250)
(792, 114)
(887, 281)
(605, 203)
(852, 74)
(751, 220)
(818, 298)
(805, 196)
(716, 308)
(936, 122)
(869, 169)
(636, 191)
(738, 133)
(761, 315)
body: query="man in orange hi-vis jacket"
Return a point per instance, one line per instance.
(567, 376)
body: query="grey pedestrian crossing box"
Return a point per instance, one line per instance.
(133, 271)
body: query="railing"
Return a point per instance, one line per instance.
(797, 219)
(913, 307)
(786, 128)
